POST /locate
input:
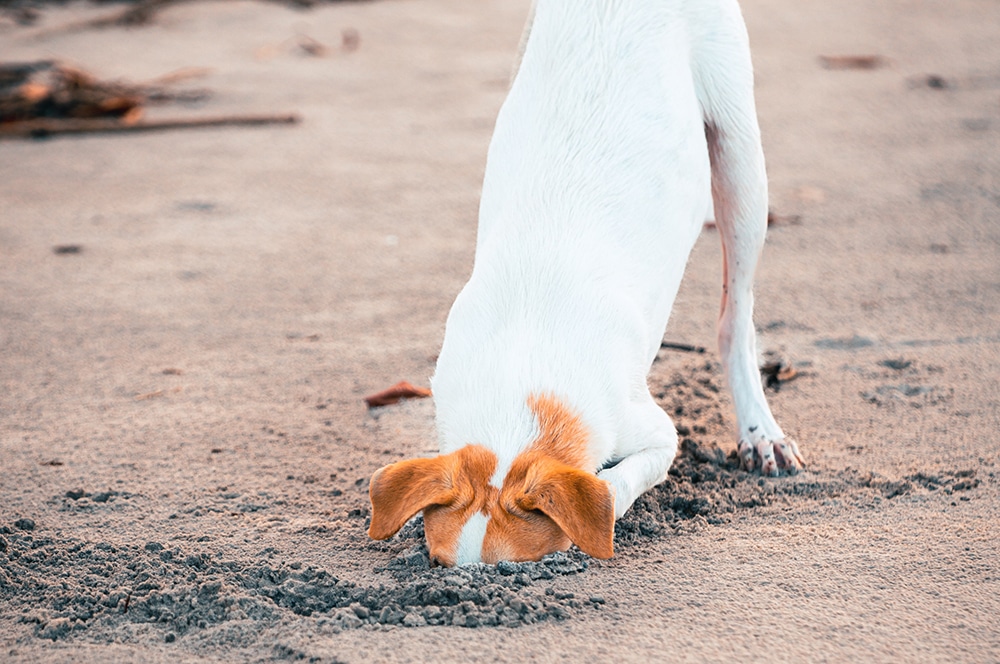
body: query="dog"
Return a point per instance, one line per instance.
(627, 124)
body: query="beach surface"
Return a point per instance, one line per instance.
(190, 320)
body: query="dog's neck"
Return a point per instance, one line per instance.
(560, 435)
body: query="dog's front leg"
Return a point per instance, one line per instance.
(647, 449)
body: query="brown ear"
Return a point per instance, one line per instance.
(400, 490)
(579, 503)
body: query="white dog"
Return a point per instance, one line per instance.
(625, 120)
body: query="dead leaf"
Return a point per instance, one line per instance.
(853, 61)
(34, 92)
(133, 115)
(350, 40)
(776, 372)
(786, 373)
(398, 392)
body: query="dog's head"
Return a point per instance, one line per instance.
(543, 504)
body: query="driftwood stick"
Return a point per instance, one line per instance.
(686, 348)
(43, 127)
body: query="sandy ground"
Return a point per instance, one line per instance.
(183, 445)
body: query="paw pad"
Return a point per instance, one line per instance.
(770, 456)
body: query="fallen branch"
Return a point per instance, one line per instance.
(687, 348)
(138, 13)
(49, 89)
(43, 127)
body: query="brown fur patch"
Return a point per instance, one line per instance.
(562, 435)
(550, 496)
(448, 488)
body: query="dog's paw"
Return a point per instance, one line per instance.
(758, 451)
(619, 496)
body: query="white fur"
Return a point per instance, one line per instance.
(598, 180)
(470, 540)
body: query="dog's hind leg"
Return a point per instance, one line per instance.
(724, 76)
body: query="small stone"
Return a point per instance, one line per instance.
(507, 568)
(936, 82)
(414, 619)
(170, 637)
(360, 611)
(55, 629)
(558, 612)
(348, 620)
(24, 524)
(416, 559)
(390, 616)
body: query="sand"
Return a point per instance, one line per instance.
(183, 442)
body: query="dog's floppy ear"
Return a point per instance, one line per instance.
(581, 505)
(400, 490)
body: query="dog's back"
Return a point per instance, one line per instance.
(597, 184)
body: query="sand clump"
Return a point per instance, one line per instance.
(66, 586)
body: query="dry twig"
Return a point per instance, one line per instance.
(48, 127)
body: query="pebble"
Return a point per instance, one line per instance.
(24, 524)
